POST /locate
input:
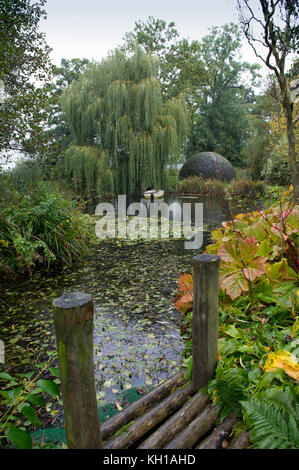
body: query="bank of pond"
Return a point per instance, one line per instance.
(141, 337)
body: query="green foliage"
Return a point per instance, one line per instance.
(81, 168)
(261, 246)
(246, 188)
(117, 107)
(243, 188)
(276, 171)
(258, 355)
(170, 182)
(56, 135)
(24, 61)
(229, 391)
(224, 93)
(26, 174)
(257, 148)
(199, 185)
(22, 403)
(41, 228)
(273, 419)
(211, 76)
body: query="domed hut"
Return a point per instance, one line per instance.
(209, 165)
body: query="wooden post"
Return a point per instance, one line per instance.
(205, 318)
(73, 316)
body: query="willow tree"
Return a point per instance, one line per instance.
(116, 106)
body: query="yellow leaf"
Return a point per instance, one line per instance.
(283, 360)
(118, 406)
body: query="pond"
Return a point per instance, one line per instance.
(137, 340)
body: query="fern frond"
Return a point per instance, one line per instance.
(271, 426)
(229, 393)
(283, 399)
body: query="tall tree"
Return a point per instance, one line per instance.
(179, 62)
(210, 74)
(273, 32)
(56, 136)
(24, 62)
(116, 108)
(222, 99)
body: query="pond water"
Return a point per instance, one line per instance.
(137, 339)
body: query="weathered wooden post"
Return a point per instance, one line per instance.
(205, 318)
(73, 316)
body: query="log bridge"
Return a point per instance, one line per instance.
(176, 414)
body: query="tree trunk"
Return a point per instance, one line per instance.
(292, 154)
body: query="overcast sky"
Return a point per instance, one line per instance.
(90, 28)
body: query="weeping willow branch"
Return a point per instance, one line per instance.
(122, 131)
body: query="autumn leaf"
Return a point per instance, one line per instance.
(255, 268)
(185, 282)
(234, 285)
(184, 299)
(283, 360)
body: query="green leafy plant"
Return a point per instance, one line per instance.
(41, 228)
(22, 401)
(258, 347)
(273, 419)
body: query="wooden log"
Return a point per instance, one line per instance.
(73, 317)
(205, 318)
(241, 441)
(190, 436)
(176, 423)
(149, 420)
(139, 407)
(215, 440)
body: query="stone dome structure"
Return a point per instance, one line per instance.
(209, 165)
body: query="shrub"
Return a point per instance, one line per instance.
(171, 182)
(41, 228)
(246, 188)
(258, 367)
(25, 175)
(198, 185)
(277, 171)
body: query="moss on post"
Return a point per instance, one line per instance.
(73, 316)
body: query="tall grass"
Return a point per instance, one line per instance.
(198, 185)
(242, 188)
(247, 188)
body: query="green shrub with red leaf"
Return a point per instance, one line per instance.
(257, 370)
(260, 246)
(258, 252)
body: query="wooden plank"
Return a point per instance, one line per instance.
(73, 317)
(149, 420)
(215, 440)
(176, 423)
(240, 442)
(190, 436)
(205, 318)
(139, 407)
